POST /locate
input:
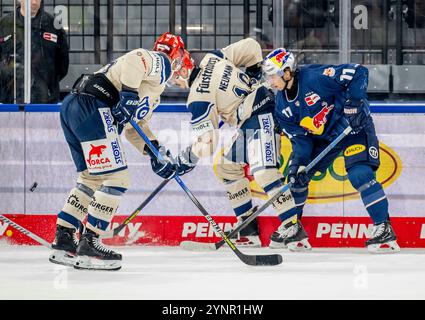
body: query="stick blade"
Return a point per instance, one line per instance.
(262, 260)
(197, 246)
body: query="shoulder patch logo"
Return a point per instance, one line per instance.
(373, 152)
(50, 37)
(312, 99)
(330, 72)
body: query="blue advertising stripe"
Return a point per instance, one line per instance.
(9, 108)
(42, 107)
(379, 107)
(172, 107)
(375, 107)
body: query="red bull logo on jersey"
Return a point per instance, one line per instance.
(315, 125)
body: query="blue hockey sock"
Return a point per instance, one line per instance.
(375, 201)
(373, 196)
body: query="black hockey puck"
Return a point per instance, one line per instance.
(34, 185)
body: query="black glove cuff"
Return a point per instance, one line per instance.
(148, 151)
(254, 71)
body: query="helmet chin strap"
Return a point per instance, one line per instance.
(293, 75)
(193, 74)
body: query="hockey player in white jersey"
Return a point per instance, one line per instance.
(92, 118)
(220, 90)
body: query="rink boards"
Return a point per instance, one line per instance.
(32, 149)
(171, 230)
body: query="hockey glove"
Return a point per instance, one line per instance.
(125, 109)
(186, 161)
(298, 178)
(165, 169)
(357, 113)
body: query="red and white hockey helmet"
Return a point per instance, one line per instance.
(173, 46)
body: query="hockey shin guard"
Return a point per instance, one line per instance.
(75, 209)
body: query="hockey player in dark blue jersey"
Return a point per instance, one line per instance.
(314, 104)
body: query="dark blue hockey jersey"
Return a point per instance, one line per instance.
(317, 110)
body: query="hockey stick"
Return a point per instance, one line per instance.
(204, 246)
(113, 232)
(26, 232)
(252, 260)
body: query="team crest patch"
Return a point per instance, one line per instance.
(312, 99)
(373, 152)
(50, 37)
(330, 72)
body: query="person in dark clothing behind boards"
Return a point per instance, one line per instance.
(49, 55)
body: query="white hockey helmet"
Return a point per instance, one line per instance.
(277, 61)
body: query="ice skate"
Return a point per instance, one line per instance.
(64, 247)
(249, 236)
(93, 255)
(290, 235)
(383, 239)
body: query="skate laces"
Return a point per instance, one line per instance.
(378, 230)
(288, 232)
(75, 238)
(99, 245)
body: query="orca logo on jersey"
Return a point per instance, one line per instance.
(97, 151)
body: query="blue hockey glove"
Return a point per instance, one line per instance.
(125, 109)
(186, 161)
(357, 113)
(165, 169)
(298, 178)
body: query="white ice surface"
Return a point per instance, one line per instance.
(171, 273)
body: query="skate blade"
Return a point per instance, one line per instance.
(62, 257)
(389, 247)
(89, 263)
(277, 245)
(299, 246)
(247, 245)
(245, 242)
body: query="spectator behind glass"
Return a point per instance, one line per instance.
(49, 56)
